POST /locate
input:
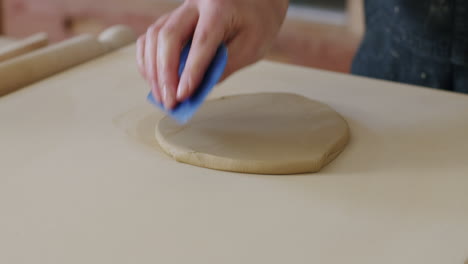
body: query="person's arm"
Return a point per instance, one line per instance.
(248, 27)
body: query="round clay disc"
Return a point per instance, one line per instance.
(265, 133)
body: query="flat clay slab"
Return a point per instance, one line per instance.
(264, 133)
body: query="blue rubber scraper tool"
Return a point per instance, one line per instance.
(184, 111)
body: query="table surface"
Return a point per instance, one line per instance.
(83, 181)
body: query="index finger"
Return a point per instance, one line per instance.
(206, 40)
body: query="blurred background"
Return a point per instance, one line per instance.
(317, 33)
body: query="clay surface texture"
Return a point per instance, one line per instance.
(264, 133)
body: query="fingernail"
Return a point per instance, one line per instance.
(181, 91)
(168, 97)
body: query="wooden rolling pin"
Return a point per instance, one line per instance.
(24, 46)
(40, 64)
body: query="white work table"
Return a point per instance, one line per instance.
(82, 179)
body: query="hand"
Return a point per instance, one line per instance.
(247, 27)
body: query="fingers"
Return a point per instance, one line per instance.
(175, 32)
(208, 36)
(150, 56)
(141, 63)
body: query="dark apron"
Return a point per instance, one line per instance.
(421, 42)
